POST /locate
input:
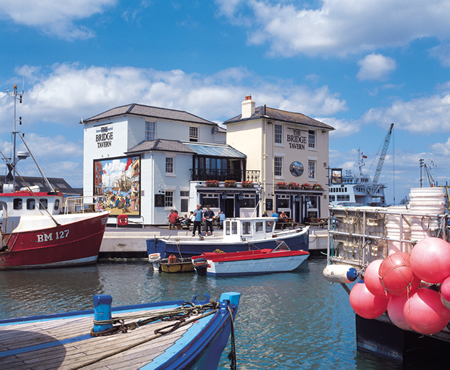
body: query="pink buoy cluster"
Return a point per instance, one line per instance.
(392, 284)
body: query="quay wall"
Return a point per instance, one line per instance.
(123, 242)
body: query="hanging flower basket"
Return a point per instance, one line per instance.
(212, 183)
(247, 184)
(294, 186)
(282, 185)
(230, 183)
(317, 187)
(306, 186)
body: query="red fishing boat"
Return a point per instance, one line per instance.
(38, 231)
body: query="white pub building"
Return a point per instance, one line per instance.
(143, 161)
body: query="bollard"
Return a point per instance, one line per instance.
(102, 312)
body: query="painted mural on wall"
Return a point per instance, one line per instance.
(116, 183)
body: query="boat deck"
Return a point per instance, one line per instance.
(65, 343)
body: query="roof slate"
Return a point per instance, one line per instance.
(148, 111)
(161, 145)
(281, 115)
(204, 149)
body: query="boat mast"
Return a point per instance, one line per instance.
(16, 96)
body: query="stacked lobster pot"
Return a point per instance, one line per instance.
(429, 202)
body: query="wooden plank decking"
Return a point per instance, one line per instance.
(65, 343)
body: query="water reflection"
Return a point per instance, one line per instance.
(285, 321)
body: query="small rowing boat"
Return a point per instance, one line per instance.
(262, 261)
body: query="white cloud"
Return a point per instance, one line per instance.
(67, 92)
(442, 148)
(375, 67)
(422, 115)
(343, 128)
(339, 27)
(54, 17)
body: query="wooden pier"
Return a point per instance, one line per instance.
(66, 343)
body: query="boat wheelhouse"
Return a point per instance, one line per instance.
(239, 234)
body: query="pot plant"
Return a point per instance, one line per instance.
(212, 183)
(230, 183)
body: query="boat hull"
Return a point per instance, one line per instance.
(74, 243)
(63, 340)
(297, 240)
(185, 266)
(252, 263)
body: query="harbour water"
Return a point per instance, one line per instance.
(295, 320)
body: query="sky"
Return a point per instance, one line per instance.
(355, 65)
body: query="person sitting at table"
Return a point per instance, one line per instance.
(283, 218)
(173, 219)
(187, 219)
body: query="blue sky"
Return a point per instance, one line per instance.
(356, 65)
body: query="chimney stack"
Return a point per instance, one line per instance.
(248, 107)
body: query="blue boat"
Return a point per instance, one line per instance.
(239, 235)
(164, 335)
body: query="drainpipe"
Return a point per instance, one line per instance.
(152, 190)
(263, 167)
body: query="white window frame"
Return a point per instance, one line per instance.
(184, 196)
(312, 169)
(169, 199)
(193, 134)
(167, 163)
(278, 176)
(150, 132)
(278, 136)
(312, 139)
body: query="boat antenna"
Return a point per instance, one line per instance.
(17, 97)
(29, 189)
(37, 165)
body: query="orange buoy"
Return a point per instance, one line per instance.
(397, 275)
(425, 313)
(430, 260)
(172, 258)
(365, 304)
(372, 279)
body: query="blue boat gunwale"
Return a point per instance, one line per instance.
(193, 343)
(62, 315)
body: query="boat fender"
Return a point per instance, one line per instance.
(340, 273)
(172, 259)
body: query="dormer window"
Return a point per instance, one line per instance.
(193, 134)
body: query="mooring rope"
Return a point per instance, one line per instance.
(232, 354)
(158, 333)
(157, 315)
